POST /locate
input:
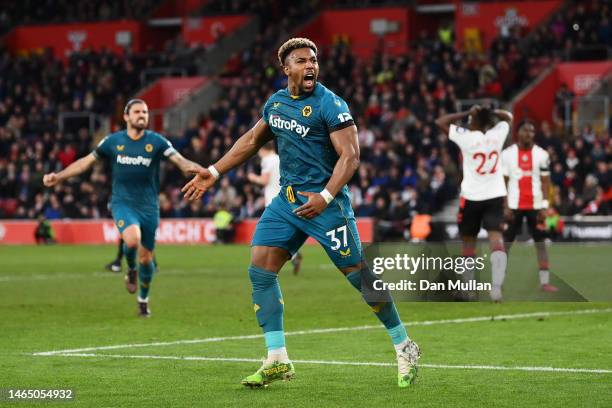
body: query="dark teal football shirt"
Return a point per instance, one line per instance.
(135, 166)
(302, 126)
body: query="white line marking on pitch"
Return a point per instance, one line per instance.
(330, 330)
(93, 274)
(344, 363)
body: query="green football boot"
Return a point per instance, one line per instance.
(270, 372)
(407, 361)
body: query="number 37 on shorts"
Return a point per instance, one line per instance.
(342, 245)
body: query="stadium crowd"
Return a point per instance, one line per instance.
(34, 90)
(582, 29)
(19, 12)
(407, 166)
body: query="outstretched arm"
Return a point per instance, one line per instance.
(346, 144)
(244, 148)
(74, 169)
(185, 165)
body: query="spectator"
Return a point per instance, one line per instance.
(44, 232)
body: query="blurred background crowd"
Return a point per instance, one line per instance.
(407, 166)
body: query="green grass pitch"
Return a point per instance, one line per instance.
(59, 298)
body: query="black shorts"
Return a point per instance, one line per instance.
(486, 213)
(515, 225)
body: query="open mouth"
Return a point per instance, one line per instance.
(309, 80)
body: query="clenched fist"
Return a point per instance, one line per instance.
(51, 179)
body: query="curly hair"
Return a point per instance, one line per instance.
(294, 44)
(485, 118)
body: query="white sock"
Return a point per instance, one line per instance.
(279, 354)
(499, 260)
(544, 277)
(141, 300)
(399, 347)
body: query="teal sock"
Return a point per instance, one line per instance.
(145, 275)
(385, 311)
(130, 256)
(268, 305)
(398, 334)
(274, 339)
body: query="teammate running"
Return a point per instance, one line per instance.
(483, 188)
(134, 154)
(319, 153)
(526, 172)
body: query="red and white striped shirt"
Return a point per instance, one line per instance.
(524, 169)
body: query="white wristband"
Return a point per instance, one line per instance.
(544, 204)
(214, 171)
(326, 196)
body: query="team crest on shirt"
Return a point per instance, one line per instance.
(337, 102)
(120, 147)
(120, 223)
(306, 111)
(149, 148)
(524, 158)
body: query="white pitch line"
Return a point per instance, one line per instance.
(18, 278)
(93, 274)
(329, 330)
(343, 363)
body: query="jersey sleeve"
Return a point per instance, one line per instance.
(505, 162)
(502, 129)
(266, 110)
(336, 114)
(544, 163)
(166, 147)
(458, 134)
(103, 149)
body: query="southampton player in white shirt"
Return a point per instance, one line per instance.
(526, 171)
(270, 180)
(483, 189)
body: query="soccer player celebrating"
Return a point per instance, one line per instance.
(319, 153)
(526, 171)
(482, 188)
(270, 180)
(134, 154)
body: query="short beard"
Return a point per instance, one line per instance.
(138, 127)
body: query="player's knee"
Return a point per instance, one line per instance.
(131, 243)
(269, 258)
(353, 268)
(496, 241)
(145, 256)
(131, 236)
